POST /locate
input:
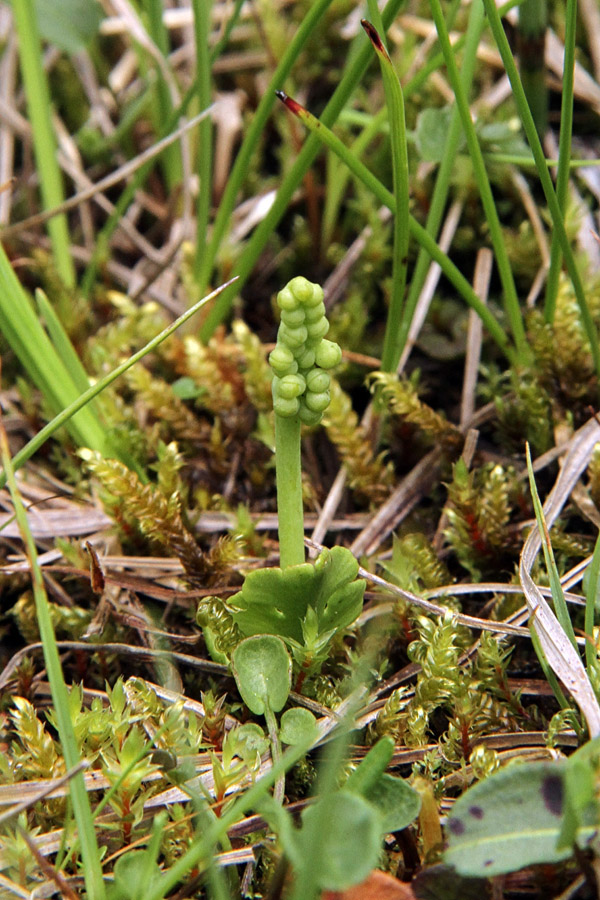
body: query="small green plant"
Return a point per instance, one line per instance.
(306, 604)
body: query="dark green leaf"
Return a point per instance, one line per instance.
(395, 800)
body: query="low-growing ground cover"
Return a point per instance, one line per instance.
(299, 308)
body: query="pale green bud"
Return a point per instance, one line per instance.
(314, 313)
(306, 360)
(302, 289)
(292, 337)
(286, 408)
(293, 317)
(317, 403)
(289, 387)
(318, 381)
(317, 330)
(281, 359)
(328, 354)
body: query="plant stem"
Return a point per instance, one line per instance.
(289, 491)
(90, 854)
(279, 791)
(442, 183)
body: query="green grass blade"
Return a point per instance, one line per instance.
(544, 176)
(61, 342)
(162, 108)
(90, 854)
(591, 586)
(202, 19)
(63, 417)
(28, 340)
(38, 104)
(338, 176)
(511, 301)
(315, 12)
(564, 154)
(327, 137)
(357, 66)
(531, 34)
(442, 183)
(558, 596)
(392, 348)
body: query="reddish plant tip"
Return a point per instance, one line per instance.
(292, 105)
(373, 36)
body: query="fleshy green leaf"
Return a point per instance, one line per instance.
(262, 670)
(395, 800)
(275, 601)
(297, 725)
(349, 830)
(510, 820)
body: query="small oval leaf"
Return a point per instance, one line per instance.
(349, 839)
(297, 725)
(262, 670)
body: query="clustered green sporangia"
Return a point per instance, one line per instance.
(302, 355)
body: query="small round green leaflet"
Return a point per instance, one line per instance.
(297, 725)
(262, 670)
(348, 840)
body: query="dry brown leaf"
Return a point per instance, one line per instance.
(378, 886)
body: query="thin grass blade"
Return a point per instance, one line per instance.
(392, 348)
(544, 176)
(39, 106)
(90, 853)
(327, 137)
(63, 417)
(511, 301)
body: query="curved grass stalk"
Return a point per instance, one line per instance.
(564, 154)
(394, 99)
(544, 176)
(511, 301)
(360, 171)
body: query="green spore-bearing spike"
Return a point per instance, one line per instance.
(300, 395)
